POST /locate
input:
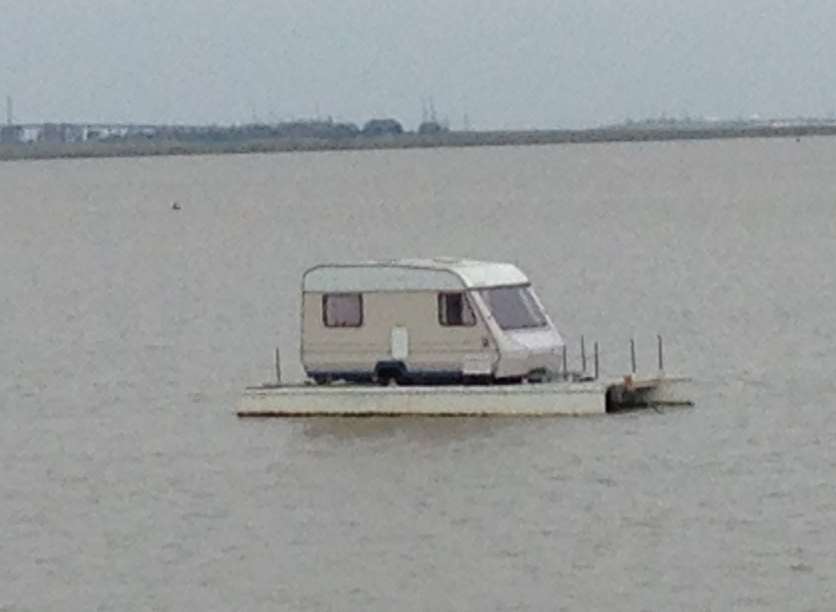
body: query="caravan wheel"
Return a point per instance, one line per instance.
(386, 373)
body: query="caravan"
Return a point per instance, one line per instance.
(436, 321)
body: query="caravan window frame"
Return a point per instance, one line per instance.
(350, 325)
(466, 305)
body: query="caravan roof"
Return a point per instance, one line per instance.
(412, 275)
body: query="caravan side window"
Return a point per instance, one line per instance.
(454, 310)
(342, 309)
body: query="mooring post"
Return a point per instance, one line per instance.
(596, 361)
(633, 355)
(565, 364)
(278, 367)
(661, 354)
(583, 355)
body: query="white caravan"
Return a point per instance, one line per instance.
(434, 321)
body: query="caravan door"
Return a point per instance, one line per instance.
(399, 343)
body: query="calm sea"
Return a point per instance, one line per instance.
(127, 331)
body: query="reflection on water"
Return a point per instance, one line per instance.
(428, 430)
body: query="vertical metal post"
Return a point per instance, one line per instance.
(583, 355)
(596, 361)
(565, 364)
(278, 367)
(661, 354)
(633, 355)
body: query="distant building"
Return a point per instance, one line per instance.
(382, 127)
(57, 133)
(74, 133)
(432, 127)
(51, 133)
(139, 132)
(11, 134)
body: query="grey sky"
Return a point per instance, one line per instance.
(527, 63)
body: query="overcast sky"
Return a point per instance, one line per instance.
(522, 63)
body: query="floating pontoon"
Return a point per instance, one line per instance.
(440, 337)
(526, 399)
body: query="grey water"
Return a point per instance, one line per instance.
(128, 330)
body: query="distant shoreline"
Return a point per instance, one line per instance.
(152, 148)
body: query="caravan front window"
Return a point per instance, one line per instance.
(514, 307)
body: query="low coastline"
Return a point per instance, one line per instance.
(151, 147)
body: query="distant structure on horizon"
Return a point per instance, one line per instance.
(429, 119)
(304, 130)
(325, 133)
(707, 123)
(382, 127)
(10, 133)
